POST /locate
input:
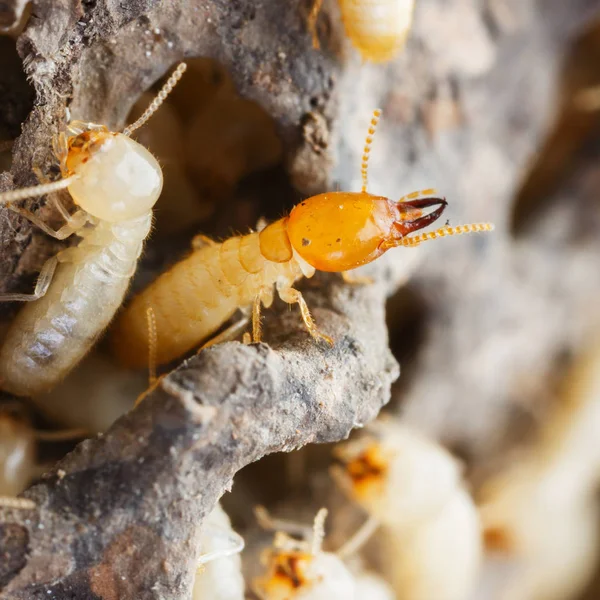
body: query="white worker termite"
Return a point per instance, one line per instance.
(219, 575)
(114, 181)
(430, 530)
(540, 515)
(299, 569)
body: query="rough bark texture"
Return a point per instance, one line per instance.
(465, 108)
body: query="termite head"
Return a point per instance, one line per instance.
(395, 474)
(338, 231)
(117, 178)
(293, 571)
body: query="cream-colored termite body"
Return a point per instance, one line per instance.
(430, 528)
(377, 28)
(333, 232)
(219, 576)
(115, 182)
(541, 513)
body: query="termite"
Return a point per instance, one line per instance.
(334, 231)
(18, 453)
(114, 181)
(377, 28)
(430, 531)
(302, 570)
(219, 575)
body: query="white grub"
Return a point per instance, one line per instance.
(219, 575)
(430, 535)
(541, 512)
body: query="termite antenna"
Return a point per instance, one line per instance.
(365, 157)
(160, 98)
(36, 190)
(152, 343)
(415, 240)
(318, 533)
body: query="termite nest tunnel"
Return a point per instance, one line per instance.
(465, 371)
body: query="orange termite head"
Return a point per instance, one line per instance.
(338, 231)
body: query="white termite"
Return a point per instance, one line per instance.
(114, 181)
(540, 514)
(302, 570)
(219, 575)
(430, 530)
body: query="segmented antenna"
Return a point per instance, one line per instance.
(152, 343)
(36, 190)
(365, 157)
(160, 98)
(415, 240)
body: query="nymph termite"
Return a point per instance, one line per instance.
(302, 570)
(430, 532)
(115, 182)
(377, 28)
(334, 231)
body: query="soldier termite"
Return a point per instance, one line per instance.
(334, 231)
(115, 182)
(430, 530)
(377, 28)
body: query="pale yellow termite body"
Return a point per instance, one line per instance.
(193, 299)
(114, 181)
(333, 232)
(378, 29)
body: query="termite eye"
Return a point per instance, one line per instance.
(118, 179)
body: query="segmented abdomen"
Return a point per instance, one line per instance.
(195, 297)
(51, 335)
(377, 28)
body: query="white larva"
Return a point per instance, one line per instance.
(430, 528)
(115, 182)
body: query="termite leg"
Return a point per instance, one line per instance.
(74, 222)
(229, 334)
(264, 296)
(352, 279)
(19, 503)
(256, 324)
(359, 538)
(200, 241)
(41, 287)
(292, 296)
(312, 22)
